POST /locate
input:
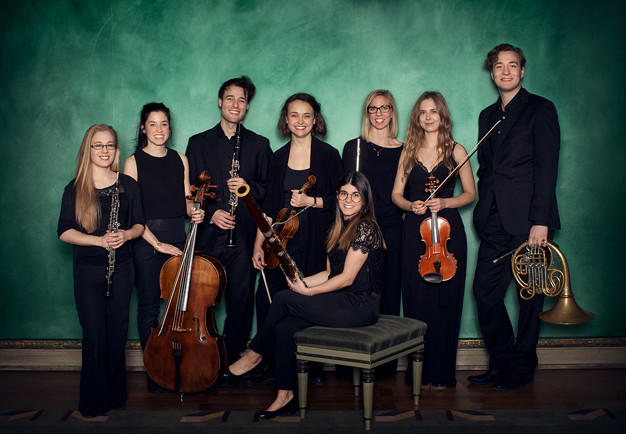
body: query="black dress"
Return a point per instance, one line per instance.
(354, 306)
(438, 305)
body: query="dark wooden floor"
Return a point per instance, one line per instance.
(552, 389)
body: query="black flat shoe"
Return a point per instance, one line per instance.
(290, 408)
(228, 377)
(489, 377)
(260, 378)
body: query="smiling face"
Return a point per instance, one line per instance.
(507, 73)
(156, 128)
(300, 118)
(234, 104)
(346, 199)
(429, 116)
(103, 157)
(378, 119)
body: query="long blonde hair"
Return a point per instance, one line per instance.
(365, 122)
(415, 135)
(87, 208)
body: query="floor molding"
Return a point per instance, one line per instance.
(468, 358)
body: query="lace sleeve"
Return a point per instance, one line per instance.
(367, 237)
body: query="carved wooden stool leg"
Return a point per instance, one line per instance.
(417, 362)
(368, 396)
(356, 380)
(303, 383)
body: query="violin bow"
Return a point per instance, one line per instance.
(472, 152)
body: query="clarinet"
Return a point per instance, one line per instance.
(114, 224)
(233, 201)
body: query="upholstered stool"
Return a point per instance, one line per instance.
(362, 348)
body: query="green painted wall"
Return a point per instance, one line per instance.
(66, 65)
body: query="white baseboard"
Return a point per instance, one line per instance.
(34, 359)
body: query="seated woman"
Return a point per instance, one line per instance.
(346, 294)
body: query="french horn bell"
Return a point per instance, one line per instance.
(544, 270)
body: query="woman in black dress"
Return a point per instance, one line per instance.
(345, 294)
(430, 148)
(376, 154)
(85, 222)
(304, 155)
(163, 178)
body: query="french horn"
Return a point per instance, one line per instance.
(544, 270)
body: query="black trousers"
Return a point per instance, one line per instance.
(291, 312)
(105, 327)
(515, 357)
(148, 264)
(238, 296)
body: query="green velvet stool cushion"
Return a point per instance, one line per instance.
(387, 332)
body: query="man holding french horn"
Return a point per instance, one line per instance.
(517, 203)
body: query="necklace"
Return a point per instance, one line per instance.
(376, 150)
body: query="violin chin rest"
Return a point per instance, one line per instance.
(433, 277)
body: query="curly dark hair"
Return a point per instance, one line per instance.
(243, 82)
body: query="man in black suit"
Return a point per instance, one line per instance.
(213, 150)
(517, 202)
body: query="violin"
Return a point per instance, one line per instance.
(436, 265)
(290, 223)
(185, 352)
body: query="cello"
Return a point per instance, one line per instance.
(288, 219)
(436, 265)
(184, 352)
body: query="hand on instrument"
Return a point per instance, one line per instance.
(436, 205)
(299, 286)
(233, 183)
(538, 235)
(197, 216)
(115, 240)
(299, 200)
(167, 249)
(418, 207)
(258, 257)
(223, 219)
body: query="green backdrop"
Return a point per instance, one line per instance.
(66, 65)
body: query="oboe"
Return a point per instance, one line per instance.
(114, 224)
(233, 201)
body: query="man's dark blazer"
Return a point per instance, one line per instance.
(254, 165)
(518, 165)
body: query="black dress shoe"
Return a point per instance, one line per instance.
(489, 377)
(228, 378)
(260, 378)
(511, 383)
(290, 408)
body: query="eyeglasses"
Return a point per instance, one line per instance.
(100, 146)
(343, 195)
(383, 109)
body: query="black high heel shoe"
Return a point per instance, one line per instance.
(228, 377)
(290, 408)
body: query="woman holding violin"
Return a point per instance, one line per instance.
(163, 178)
(290, 188)
(101, 212)
(431, 152)
(345, 294)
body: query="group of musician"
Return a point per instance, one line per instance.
(358, 243)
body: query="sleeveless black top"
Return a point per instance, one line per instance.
(162, 184)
